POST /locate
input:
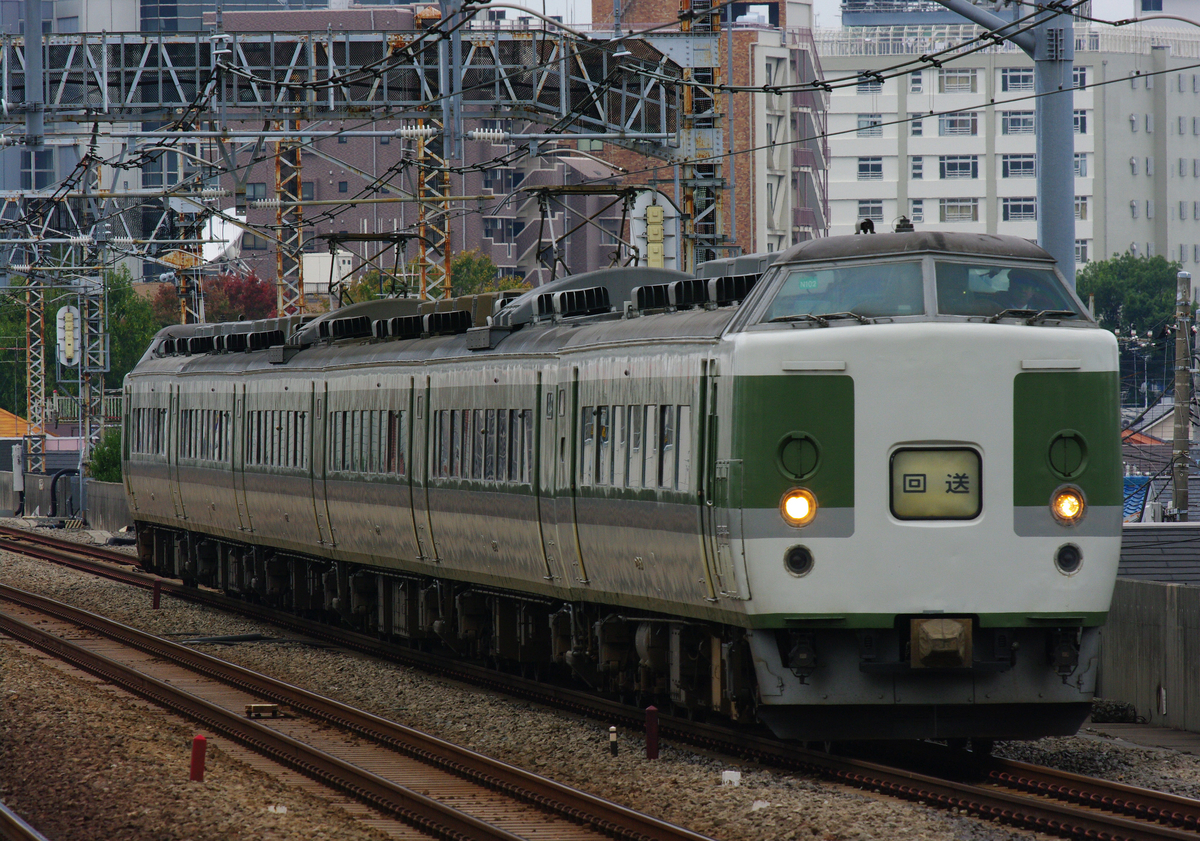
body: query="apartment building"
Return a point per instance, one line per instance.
(953, 147)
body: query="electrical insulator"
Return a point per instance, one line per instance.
(488, 135)
(654, 236)
(414, 132)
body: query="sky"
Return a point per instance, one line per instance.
(826, 12)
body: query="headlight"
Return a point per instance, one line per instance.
(798, 507)
(1068, 505)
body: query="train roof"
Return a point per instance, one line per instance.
(916, 242)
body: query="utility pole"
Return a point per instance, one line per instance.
(1181, 450)
(1051, 45)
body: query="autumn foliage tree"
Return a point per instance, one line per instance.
(227, 297)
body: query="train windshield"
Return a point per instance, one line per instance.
(867, 291)
(1001, 291)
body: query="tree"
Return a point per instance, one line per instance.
(1133, 294)
(1135, 298)
(131, 326)
(472, 273)
(227, 297)
(105, 465)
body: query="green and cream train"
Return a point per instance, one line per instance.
(869, 488)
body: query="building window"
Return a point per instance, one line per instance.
(1018, 166)
(37, 169)
(869, 83)
(1183, 167)
(1149, 166)
(958, 124)
(870, 125)
(870, 209)
(916, 125)
(1016, 79)
(306, 191)
(1019, 210)
(1195, 125)
(1183, 125)
(1196, 212)
(343, 186)
(870, 169)
(1079, 77)
(1133, 166)
(918, 168)
(1182, 253)
(958, 210)
(957, 80)
(1081, 208)
(1081, 169)
(1133, 123)
(1151, 5)
(610, 231)
(1016, 122)
(958, 166)
(914, 81)
(1196, 253)
(1081, 251)
(256, 190)
(1149, 208)
(1133, 208)
(253, 242)
(1196, 167)
(918, 210)
(1183, 208)
(341, 138)
(385, 140)
(1149, 117)
(1080, 121)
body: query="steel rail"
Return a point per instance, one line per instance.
(1097, 809)
(564, 801)
(13, 828)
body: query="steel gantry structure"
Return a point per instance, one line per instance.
(146, 93)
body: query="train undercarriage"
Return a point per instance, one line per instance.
(687, 667)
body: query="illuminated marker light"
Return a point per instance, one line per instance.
(1068, 505)
(798, 507)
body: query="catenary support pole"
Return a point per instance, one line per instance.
(1181, 451)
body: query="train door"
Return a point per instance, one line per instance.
(239, 457)
(407, 445)
(419, 464)
(727, 520)
(316, 462)
(172, 436)
(543, 475)
(567, 478)
(126, 446)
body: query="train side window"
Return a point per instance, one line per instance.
(604, 448)
(489, 442)
(515, 440)
(480, 445)
(666, 437)
(685, 448)
(468, 439)
(502, 445)
(651, 445)
(550, 405)
(562, 402)
(527, 450)
(455, 442)
(303, 436)
(443, 417)
(636, 448)
(587, 452)
(619, 442)
(402, 448)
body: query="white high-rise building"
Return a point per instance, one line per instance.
(954, 147)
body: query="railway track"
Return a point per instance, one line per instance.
(1017, 794)
(14, 828)
(442, 789)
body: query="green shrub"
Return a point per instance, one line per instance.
(105, 465)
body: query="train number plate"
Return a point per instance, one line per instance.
(936, 484)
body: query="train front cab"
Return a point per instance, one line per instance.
(873, 620)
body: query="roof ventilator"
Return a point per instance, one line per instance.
(727, 290)
(447, 323)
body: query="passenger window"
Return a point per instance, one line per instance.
(489, 455)
(502, 445)
(604, 450)
(634, 476)
(685, 448)
(666, 478)
(619, 446)
(587, 451)
(651, 444)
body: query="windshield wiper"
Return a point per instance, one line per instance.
(1032, 316)
(800, 316)
(823, 319)
(1045, 314)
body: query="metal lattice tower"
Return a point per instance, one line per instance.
(289, 221)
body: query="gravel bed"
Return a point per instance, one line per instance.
(85, 760)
